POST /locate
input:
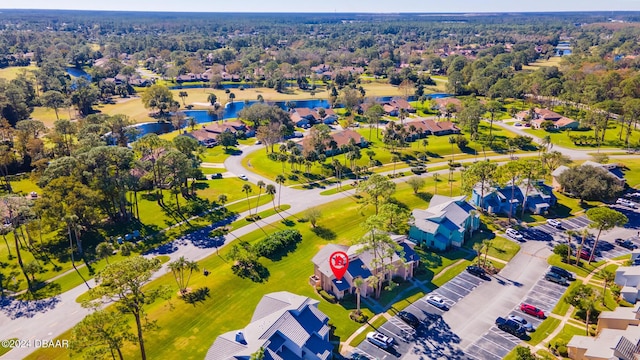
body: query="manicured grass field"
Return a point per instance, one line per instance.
(552, 61)
(611, 140)
(183, 326)
(12, 72)
(543, 330)
(567, 332)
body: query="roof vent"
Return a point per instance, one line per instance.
(240, 338)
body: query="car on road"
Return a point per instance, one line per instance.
(553, 277)
(524, 323)
(409, 318)
(476, 270)
(627, 203)
(532, 310)
(555, 223)
(562, 272)
(215, 176)
(243, 177)
(514, 234)
(627, 244)
(518, 124)
(436, 301)
(511, 327)
(380, 340)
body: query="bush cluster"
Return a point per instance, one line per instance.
(277, 242)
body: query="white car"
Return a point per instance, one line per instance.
(526, 325)
(436, 301)
(555, 223)
(514, 234)
(380, 340)
(243, 177)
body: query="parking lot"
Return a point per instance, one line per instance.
(546, 232)
(496, 344)
(433, 339)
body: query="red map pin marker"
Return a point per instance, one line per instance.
(339, 262)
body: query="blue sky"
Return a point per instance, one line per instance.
(378, 6)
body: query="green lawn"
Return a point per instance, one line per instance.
(182, 325)
(611, 140)
(501, 248)
(373, 326)
(543, 330)
(12, 72)
(4, 350)
(567, 332)
(583, 270)
(451, 272)
(438, 150)
(562, 306)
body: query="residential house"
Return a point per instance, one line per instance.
(393, 106)
(441, 104)
(628, 278)
(284, 325)
(612, 170)
(340, 138)
(445, 223)
(306, 117)
(204, 137)
(498, 200)
(539, 116)
(618, 337)
(362, 264)
(426, 127)
(209, 133)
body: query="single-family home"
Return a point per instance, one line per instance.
(441, 104)
(628, 278)
(340, 139)
(362, 264)
(612, 170)
(447, 222)
(284, 326)
(204, 137)
(306, 117)
(498, 200)
(618, 337)
(393, 106)
(426, 127)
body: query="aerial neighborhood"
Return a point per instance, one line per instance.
(338, 185)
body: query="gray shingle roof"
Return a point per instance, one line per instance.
(321, 259)
(442, 209)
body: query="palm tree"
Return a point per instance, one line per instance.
(261, 186)
(212, 98)
(192, 123)
(280, 179)
(545, 145)
(570, 234)
(222, 199)
(477, 247)
(584, 233)
(271, 190)
(452, 141)
(608, 278)
(435, 182)
(104, 250)
(358, 282)
(179, 268)
(246, 188)
(425, 143)
(182, 95)
(486, 244)
(394, 160)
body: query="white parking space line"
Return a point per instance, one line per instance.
(400, 324)
(451, 290)
(458, 288)
(473, 285)
(487, 339)
(483, 350)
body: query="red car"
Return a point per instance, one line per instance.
(584, 254)
(532, 310)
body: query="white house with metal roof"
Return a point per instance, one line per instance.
(285, 325)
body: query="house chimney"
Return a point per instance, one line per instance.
(240, 338)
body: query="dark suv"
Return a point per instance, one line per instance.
(409, 318)
(562, 272)
(511, 327)
(476, 270)
(627, 244)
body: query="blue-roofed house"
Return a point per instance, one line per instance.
(287, 326)
(360, 266)
(447, 222)
(498, 200)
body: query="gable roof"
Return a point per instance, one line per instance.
(443, 211)
(281, 319)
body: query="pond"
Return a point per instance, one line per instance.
(231, 110)
(78, 73)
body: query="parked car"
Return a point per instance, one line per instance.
(532, 310)
(243, 177)
(380, 340)
(476, 270)
(585, 254)
(409, 318)
(627, 244)
(562, 272)
(555, 223)
(436, 301)
(215, 176)
(524, 323)
(511, 327)
(358, 356)
(553, 277)
(518, 124)
(514, 234)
